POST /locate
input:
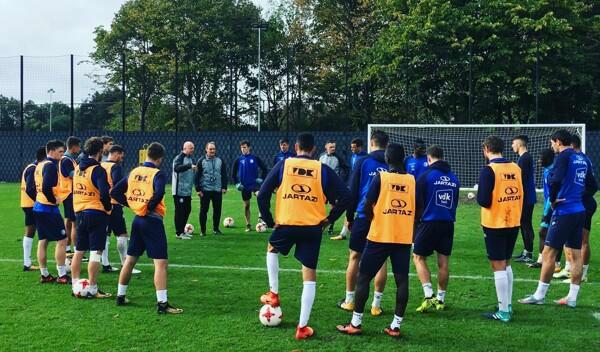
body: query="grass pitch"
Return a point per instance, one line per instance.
(218, 280)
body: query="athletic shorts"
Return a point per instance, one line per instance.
(434, 236)
(50, 226)
(307, 240)
(148, 234)
(565, 230)
(29, 217)
(375, 254)
(68, 208)
(116, 221)
(500, 243)
(358, 234)
(91, 231)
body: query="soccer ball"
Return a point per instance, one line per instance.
(81, 288)
(471, 195)
(228, 222)
(261, 227)
(270, 316)
(189, 228)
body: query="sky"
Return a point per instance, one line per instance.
(47, 32)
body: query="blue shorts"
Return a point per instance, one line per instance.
(375, 254)
(29, 217)
(50, 226)
(434, 236)
(307, 240)
(565, 230)
(500, 243)
(116, 221)
(148, 234)
(358, 234)
(91, 231)
(68, 208)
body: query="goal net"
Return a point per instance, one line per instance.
(462, 143)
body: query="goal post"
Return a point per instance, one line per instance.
(462, 143)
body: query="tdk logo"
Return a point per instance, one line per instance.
(398, 188)
(509, 176)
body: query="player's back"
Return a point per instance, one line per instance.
(440, 187)
(370, 166)
(570, 170)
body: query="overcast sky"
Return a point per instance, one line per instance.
(50, 28)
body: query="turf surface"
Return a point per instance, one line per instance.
(217, 281)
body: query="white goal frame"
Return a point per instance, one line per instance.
(581, 126)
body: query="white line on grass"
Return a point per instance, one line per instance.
(320, 271)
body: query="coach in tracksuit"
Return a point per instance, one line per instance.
(211, 184)
(337, 164)
(246, 178)
(182, 186)
(437, 199)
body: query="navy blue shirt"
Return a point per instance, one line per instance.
(282, 156)
(568, 181)
(415, 166)
(29, 177)
(487, 180)
(591, 187)
(527, 166)
(160, 181)
(245, 171)
(355, 157)
(365, 169)
(437, 193)
(334, 188)
(99, 180)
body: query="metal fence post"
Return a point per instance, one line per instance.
(72, 124)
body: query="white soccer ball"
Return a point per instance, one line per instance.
(270, 316)
(81, 288)
(261, 227)
(228, 222)
(471, 195)
(189, 228)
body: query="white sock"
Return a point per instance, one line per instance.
(557, 264)
(501, 280)
(273, 271)
(105, 261)
(161, 296)
(441, 295)
(44, 271)
(356, 319)
(344, 231)
(349, 297)
(308, 297)
(427, 290)
(585, 271)
(27, 244)
(396, 322)
(573, 291)
(62, 270)
(568, 266)
(122, 248)
(541, 291)
(93, 289)
(540, 258)
(377, 299)
(511, 280)
(68, 247)
(121, 290)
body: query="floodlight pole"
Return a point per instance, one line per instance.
(260, 26)
(51, 91)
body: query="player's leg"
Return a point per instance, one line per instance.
(135, 249)
(400, 259)
(307, 240)
(81, 246)
(202, 217)
(542, 235)
(187, 209)
(309, 290)
(98, 236)
(217, 202)
(585, 253)
(178, 216)
(511, 240)
(527, 234)
(43, 261)
(574, 244)
(424, 244)
(496, 245)
(358, 239)
(280, 241)
(58, 234)
(380, 281)
(247, 215)
(28, 239)
(443, 275)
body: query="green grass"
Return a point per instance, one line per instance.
(221, 302)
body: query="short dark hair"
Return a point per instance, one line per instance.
(107, 139)
(72, 142)
(93, 146)
(523, 138)
(156, 151)
(419, 147)
(546, 157)
(284, 140)
(54, 144)
(494, 144)
(306, 141)
(330, 141)
(436, 152)
(116, 149)
(576, 141)
(563, 136)
(40, 153)
(245, 142)
(380, 138)
(394, 155)
(358, 142)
